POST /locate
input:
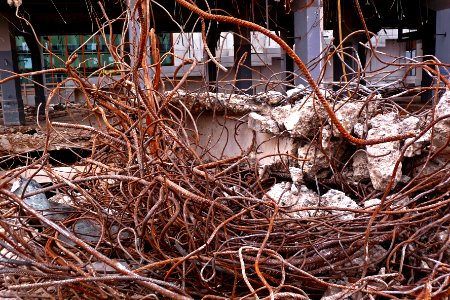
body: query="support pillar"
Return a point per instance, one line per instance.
(242, 46)
(287, 60)
(212, 39)
(351, 46)
(429, 48)
(307, 33)
(443, 36)
(12, 104)
(38, 80)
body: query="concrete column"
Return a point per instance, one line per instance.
(36, 60)
(212, 39)
(443, 37)
(350, 45)
(307, 33)
(242, 46)
(429, 48)
(12, 104)
(288, 63)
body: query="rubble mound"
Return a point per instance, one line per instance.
(153, 209)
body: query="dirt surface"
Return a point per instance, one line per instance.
(32, 135)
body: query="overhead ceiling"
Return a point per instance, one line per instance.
(61, 17)
(439, 4)
(83, 17)
(381, 13)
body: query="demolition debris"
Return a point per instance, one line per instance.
(318, 192)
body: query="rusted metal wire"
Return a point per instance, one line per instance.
(164, 220)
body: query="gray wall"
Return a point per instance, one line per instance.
(443, 41)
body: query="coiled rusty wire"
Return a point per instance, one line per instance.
(186, 227)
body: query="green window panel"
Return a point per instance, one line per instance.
(165, 44)
(92, 52)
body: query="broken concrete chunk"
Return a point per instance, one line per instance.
(291, 119)
(441, 135)
(381, 161)
(315, 163)
(39, 201)
(281, 193)
(417, 146)
(398, 202)
(383, 120)
(261, 123)
(59, 211)
(347, 114)
(304, 118)
(62, 199)
(376, 255)
(410, 123)
(232, 103)
(360, 166)
(358, 129)
(339, 199)
(297, 90)
(395, 203)
(372, 203)
(51, 210)
(405, 179)
(270, 97)
(273, 145)
(279, 114)
(326, 137)
(5, 144)
(102, 268)
(293, 199)
(18, 142)
(306, 198)
(87, 230)
(383, 157)
(296, 175)
(296, 200)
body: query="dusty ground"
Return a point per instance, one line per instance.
(31, 136)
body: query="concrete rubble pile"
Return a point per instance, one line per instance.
(326, 153)
(299, 117)
(323, 171)
(267, 169)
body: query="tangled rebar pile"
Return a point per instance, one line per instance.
(149, 216)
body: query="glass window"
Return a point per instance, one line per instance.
(91, 43)
(164, 43)
(73, 42)
(90, 61)
(92, 55)
(23, 55)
